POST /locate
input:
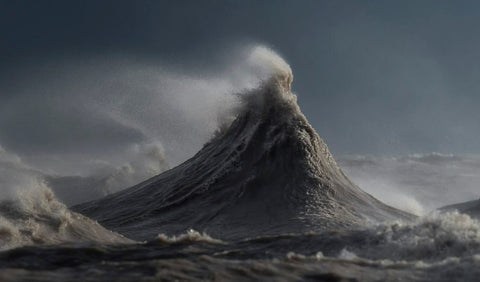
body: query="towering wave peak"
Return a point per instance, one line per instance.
(267, 172)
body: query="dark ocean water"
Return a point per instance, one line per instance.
(426, 251)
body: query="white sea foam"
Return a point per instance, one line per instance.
(188, 237)
(432, 237)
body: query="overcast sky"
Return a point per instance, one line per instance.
(372, 77)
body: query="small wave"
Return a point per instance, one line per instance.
(295, 256)
(189, 237)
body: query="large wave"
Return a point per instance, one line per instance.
(266, 172)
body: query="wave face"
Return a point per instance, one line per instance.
(268, 172)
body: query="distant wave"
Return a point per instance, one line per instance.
(416, 183)
(471, 208)
(149, 161)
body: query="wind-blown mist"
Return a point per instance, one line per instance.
(93, 127)
(16, 177)
(416, 183)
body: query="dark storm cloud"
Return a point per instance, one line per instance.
(372, 76)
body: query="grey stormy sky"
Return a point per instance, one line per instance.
(373, 77)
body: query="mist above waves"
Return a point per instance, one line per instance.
(416, 183)
(91, 127)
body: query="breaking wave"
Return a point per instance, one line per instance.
(36, 217)
(30, 213)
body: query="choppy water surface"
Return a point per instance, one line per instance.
(437, 248)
